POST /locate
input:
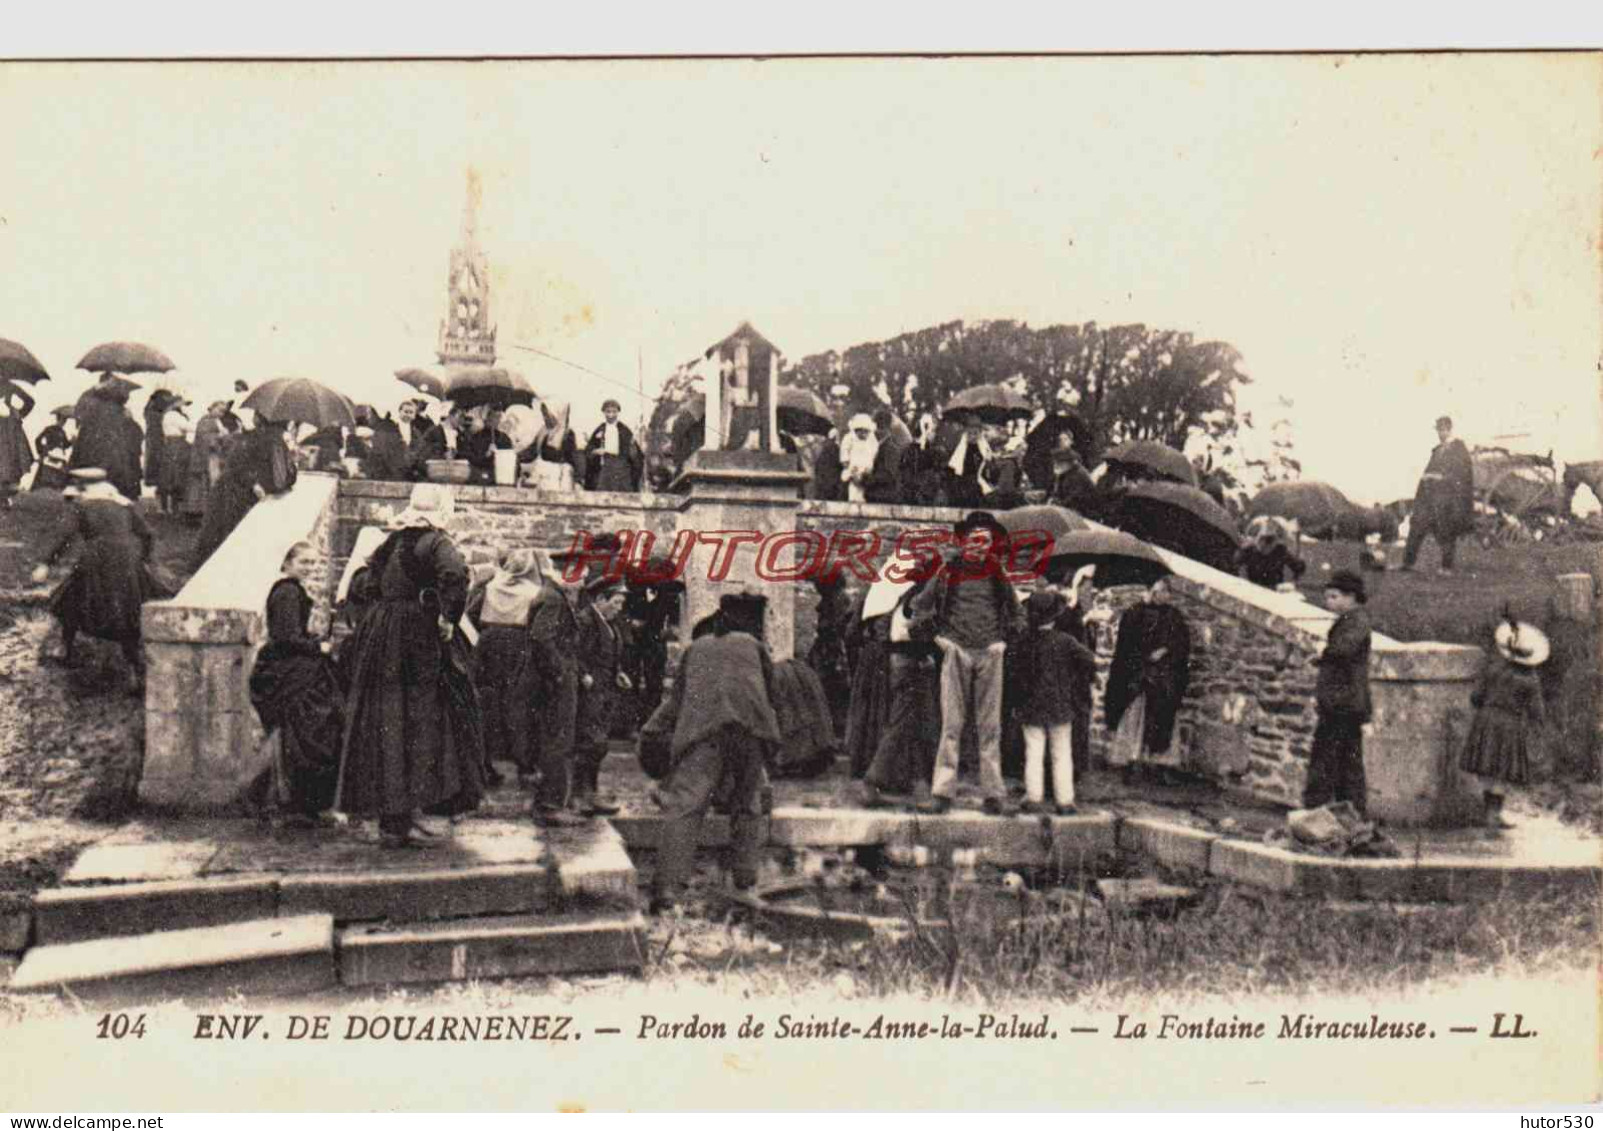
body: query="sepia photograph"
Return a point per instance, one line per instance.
(1045, 582)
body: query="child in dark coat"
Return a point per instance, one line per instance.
(1336, 760)
(1055, 662)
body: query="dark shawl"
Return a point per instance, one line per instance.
(1143, 630)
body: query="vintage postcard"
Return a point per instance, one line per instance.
(1028, 583)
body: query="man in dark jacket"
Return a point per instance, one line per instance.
(612, 458)
(1336, 760)
(1444, 505)
(724, 732)
(397, 448)
(600, 651)
(973, 613)
(108, 438)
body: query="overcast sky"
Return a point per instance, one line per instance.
(1384, 238)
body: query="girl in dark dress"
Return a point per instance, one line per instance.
(1509, 716)
(413, 739)
(16, 457)
(259, 466)
(111, 581)
(503, 661)
(294, 691)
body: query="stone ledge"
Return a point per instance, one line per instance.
(1277, 869)
(261, 957)
(441, 893)
(64, 915)
(1170, 843)
(499, 947)
(931, 517)
(393, 490)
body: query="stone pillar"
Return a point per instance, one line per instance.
(203, 742)
(1575, 596)
(741, 493)
(1422, 714)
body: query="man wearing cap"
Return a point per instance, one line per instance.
(600, 651)
(1444, 505)
(612, 458)
(724, 731)
(974, 613)
(1336, 759)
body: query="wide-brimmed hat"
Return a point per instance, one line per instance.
(1522, 643)
(431, 504)
(1044, 606)
(1346, 581)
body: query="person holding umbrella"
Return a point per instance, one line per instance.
(964, 485)
(54, 444)
(108, 438)
(259, 466)
(16, 456)
(176, 452)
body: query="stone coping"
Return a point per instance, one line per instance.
(224, 601)
(884, 512)
(389, 489)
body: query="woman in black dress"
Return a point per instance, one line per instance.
(106, 589)
(16, 457)
(258, 466)
(413, 739)
(294, 691)
(54, 446)
(503, 661)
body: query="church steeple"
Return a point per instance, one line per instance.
(466, 335)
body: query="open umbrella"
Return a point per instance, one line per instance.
(994, 404)
(1120, 558)
(1148, 459)
(125, 357)
(474, 385)
(302, 400)
(430, 381)
(1180, 518)
(800, 412)
(1054, 520)
(1315, 506)
(17, 364)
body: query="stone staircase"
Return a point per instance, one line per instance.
(207, 907)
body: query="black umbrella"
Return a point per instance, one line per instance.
(994, 404)
(1315, 506)
(1148, 459)
(301, 400)
(424, 381)
(125, 357)
(1054, 520)
(1120, 559)
(17, 364)
(1180, 518)
(799, 412)
(476, 385)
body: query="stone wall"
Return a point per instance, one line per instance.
(203, 743)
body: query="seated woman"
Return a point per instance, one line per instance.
(295, 692)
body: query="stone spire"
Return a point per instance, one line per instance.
(467, 336)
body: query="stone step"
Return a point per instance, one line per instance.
(1144, 895)
(261, 957)
(73, 914)
(494, 947)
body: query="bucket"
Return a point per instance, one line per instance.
(506, 467)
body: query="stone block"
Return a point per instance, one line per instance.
(223, 676)
(1276, 869)
(593, 865)
(259, 958)
(16, 930)
(407, 896)
(172, 677)
(643, 832)
(1401, 881)
(1474, 883)
(140, 863)
(1170, 843)
(71, 914)
(497, 947)
(1145, 895)
(173, 623)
